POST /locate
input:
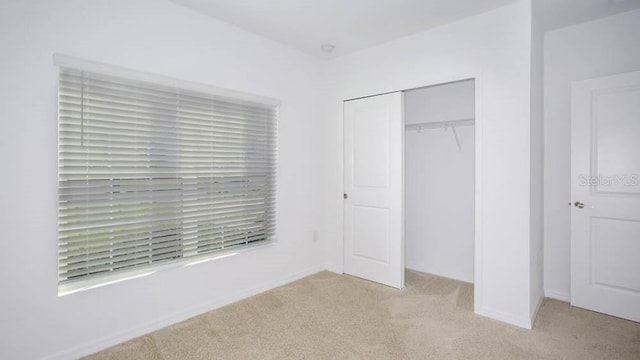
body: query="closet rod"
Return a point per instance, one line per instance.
(440, 124)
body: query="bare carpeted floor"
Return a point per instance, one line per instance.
(329, 316)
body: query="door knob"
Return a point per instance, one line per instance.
(579, 204)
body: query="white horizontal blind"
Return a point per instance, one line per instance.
(150, 174)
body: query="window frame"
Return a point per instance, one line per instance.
(88, 282)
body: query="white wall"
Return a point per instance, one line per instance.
(495, 47)
(536, 228)
(451, 101)
(439, 182)
(163, 38)
(599, 48)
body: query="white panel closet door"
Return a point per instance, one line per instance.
(605, 219)
(373, 181)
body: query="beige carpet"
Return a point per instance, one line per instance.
(329, 316)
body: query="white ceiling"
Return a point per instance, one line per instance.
(351, 25)
(555, 14)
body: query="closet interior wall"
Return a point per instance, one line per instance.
(439, 179)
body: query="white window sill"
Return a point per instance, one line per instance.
(93, 283)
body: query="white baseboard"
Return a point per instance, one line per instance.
(334, 268)
(534, 314)
(558, 295)
(523, 322)
(413, 266)
(106, 342)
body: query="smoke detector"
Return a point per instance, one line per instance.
(327, 48)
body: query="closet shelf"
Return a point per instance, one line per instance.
(453, 124)
(440, 124)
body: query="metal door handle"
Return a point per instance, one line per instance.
(579, 204)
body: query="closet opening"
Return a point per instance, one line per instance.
(439, 188)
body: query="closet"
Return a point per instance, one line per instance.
(439, 161)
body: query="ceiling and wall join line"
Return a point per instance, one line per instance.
(357, 24)
(349, 25)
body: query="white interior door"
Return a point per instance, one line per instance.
(605, 219)
(373, 178)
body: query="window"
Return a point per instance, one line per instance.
(150, 173)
